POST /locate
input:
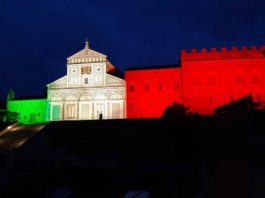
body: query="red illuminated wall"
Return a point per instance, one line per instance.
(214, 78)
(204, 81)
(150, 91)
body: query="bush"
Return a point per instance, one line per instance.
(174, 111)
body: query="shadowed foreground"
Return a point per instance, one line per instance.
(190, 157)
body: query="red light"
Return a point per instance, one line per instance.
(205, 80)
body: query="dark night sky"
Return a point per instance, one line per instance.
(37, 36)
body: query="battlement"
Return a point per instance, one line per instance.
(223, 53)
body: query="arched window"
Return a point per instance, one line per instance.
(70, 98)
(85, 97)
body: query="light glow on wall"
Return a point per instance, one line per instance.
(30, 111)
(217, 77)
(203, 81)
(150, 91)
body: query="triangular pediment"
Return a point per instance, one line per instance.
(61, 82)
(86, 56)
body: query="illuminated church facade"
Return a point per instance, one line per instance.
(203, 81)
(88, 90)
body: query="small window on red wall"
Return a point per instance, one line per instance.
(160, 87)
(196, 81)
(211, 99)
(239, 79)
(255, 79)
(176, 86)
(147, 88)
(131, 88)
(212, 80)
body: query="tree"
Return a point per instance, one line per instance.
(10, 95)
(174, 111)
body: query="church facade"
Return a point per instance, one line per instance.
(88, 91)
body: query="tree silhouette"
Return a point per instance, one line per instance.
(174, 111)
(10, 95)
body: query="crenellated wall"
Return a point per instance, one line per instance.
(217, 77)
(205, 80)
(223, 53)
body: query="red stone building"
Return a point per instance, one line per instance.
(150, 90)
(203, 81)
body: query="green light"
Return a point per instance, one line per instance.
(56, 112)
(30, 111)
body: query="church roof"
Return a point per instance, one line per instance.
(111, 69)
(86, 55)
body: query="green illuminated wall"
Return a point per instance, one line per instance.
(30, 111)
